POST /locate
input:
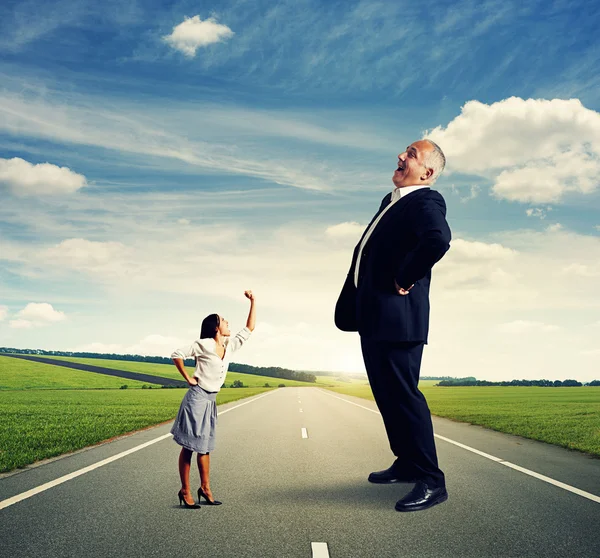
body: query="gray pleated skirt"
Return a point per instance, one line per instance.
(196, 422)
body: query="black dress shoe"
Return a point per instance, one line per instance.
(422, 497)
(388, 476)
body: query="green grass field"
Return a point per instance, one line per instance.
(48, 410)
(27, 375)
(567, 417)
(169, 371)
(40, 424)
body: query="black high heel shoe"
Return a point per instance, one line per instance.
(209, 502)
(183, 503)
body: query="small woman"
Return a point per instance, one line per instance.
(194, 427)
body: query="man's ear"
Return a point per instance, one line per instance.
(427, 175)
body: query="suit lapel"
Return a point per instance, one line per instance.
(395, 211)
(385, 202)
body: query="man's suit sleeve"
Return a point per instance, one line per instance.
(429, 224)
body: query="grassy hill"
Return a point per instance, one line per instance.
(16, 374)
(169, 371)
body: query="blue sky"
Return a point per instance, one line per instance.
(159, 158)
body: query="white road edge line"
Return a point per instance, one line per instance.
(43, 487)
(304, 433)
(319, 550)
(529, 472)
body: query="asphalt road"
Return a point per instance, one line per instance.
(282, 492)
(149, 379)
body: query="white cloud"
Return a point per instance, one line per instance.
(297, 274)
(97, 347)
(41, 312)
(193, 33)
(25, 179)
(475, 266)
(481, 251)
(36, 315)
(156, 344)
(21, 324)
(534, 150)
(540, 212)
(349, 230)
(87, 255)
(549, 179)
(151, 345)
(582, 270)
(3, 312)
(183, 222)
(473, 193)
(554, 228)
(524, 326)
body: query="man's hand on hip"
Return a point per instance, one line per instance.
(402, 291)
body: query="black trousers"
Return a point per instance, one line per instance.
(393, 371)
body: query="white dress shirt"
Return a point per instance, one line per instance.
(210, 368)
(397, 194)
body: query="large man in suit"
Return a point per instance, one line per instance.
(386, 299)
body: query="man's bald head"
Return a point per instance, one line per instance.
(421, 164)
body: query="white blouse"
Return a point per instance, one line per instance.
(210, 368)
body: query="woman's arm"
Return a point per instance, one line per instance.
(251, 321)
(178, 357)
(180, 366)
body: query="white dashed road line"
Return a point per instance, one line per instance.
(304, 433)
(319, 550)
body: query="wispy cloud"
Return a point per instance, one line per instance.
(540, 212)
(31, 20)
(197, 137)
(520, 327)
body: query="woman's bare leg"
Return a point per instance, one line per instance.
(185, 460)
(204, 468)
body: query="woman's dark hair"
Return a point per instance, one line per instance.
(210, 324)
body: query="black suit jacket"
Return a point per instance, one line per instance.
(410, 238)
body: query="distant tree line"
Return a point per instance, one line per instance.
(470, 381)
(271, 371)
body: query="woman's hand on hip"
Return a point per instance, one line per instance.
(192, 381)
